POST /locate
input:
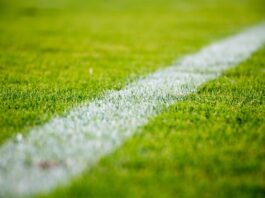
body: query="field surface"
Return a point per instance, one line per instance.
(57, 55)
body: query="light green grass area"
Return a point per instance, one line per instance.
(56, 54)
(211, 144)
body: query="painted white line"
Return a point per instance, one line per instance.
(65, 146)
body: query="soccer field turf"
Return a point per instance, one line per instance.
(55, 56)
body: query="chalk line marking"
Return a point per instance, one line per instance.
(55, 152)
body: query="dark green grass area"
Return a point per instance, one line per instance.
(57, 54)
(211, 144)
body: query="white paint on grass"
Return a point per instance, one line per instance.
(65, 146)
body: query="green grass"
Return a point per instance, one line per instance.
(47, 48)
(211, 144)
(55, 55)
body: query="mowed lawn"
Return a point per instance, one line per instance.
(55, 55)
(211, 144)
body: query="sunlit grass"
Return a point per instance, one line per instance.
(56, 54)
(211, 144)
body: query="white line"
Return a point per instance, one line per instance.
(65, 146)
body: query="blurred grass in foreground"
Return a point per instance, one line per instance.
(211, 144)
(57, 54)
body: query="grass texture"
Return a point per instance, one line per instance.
(211, 144)
(56, 54)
